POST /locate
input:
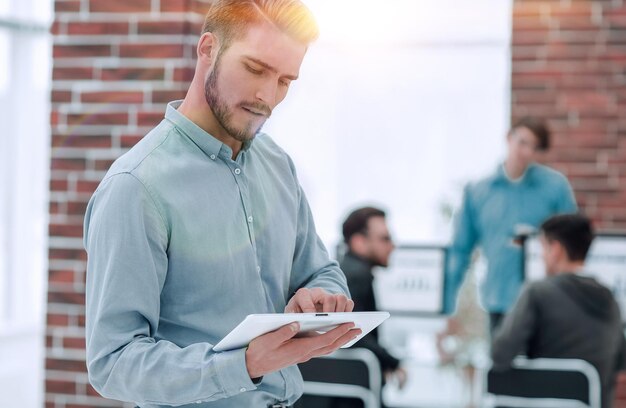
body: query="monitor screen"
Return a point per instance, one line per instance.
(413, 282)
(606, 262)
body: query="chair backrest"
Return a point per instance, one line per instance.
(346, 373)
(545, 382)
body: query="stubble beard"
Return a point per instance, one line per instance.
(223, 113)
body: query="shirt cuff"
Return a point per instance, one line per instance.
(232, 372)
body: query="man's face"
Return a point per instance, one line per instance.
(523, 146)
(550, 253)
(379, 243)
(250, 78)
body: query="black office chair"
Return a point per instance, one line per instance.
(346, 374)
(545, 383)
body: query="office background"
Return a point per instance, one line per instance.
(400, 103)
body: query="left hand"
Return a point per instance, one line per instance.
(318, 300)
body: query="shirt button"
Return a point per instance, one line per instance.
(237, 171)
(242, 389)
(258, 269)
(250, 219)
(212, 157)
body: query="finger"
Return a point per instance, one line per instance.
(346, 338)
(281, 335)
(328, 303)
(323, 340)
(304, 300)
(340, 303)
(350, 305)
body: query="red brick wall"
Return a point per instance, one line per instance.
(116, 64)
(569, 65)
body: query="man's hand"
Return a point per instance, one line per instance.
(279, 349)
(399, 376)
(318, 300)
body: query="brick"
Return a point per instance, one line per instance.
(167, 96)
(61, 96)
(60, 386)
(93, 118)
(66, 365)
(54, 319)
(80, 51)
(65, 230)
(61, 276)
(174, 6)
(151, 50)
(73, 298)
(72, 74)
(66, 254)
(86, 186)
(112, 97)
(74, 343)
(97, 28)
(103, 164)
(67, 6)
(91, 141)
(68, 164)
(130, 140)
(183, 74)
(76, 207)
(92, 391)
(119, 6)
(58, 185)
(150, 119)
(133, 74)
(162, 27)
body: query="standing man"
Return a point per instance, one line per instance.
(567, 314)
(514, 200)
(204, 222)
(369, 244)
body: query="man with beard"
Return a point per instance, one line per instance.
(369, 244)
(204, 222)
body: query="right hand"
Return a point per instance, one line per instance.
(279, 349)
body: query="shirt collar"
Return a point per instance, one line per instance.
(500, 177)
(205, 141)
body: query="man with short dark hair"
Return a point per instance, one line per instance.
(567, 314)
(204, 222)
(513, 201)
(369, 244)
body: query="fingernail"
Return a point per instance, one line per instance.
(294, 327)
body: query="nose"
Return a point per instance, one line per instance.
(266, 93)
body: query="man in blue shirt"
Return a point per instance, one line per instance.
(204, 222)
(513, 201)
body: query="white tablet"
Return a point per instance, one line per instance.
(255, 325)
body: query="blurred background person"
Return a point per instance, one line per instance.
(512, 201)
(369, 245)
(567, 314)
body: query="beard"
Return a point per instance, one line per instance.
(224, 113)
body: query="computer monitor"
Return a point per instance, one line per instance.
(606, 262)
(413, 283)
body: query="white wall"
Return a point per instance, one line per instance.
(399, 103)
(25, 61)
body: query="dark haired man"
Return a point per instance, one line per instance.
(369, 244)
(567, 314)
(204, 222)
(514, 200)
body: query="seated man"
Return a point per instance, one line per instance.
(369, 244)
(567, 314)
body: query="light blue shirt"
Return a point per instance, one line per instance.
(183, 243)
(492, 211)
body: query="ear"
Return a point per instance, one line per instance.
(207, 48)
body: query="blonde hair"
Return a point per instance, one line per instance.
(229, 19)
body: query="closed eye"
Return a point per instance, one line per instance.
(252, 70)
